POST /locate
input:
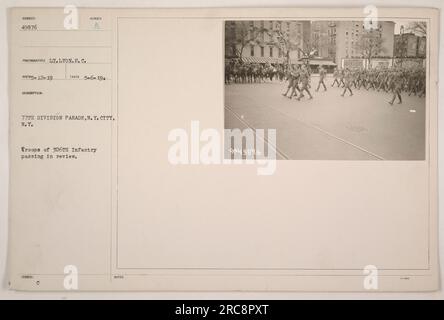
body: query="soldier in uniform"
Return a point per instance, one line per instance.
(227, 72)
(422, 83)
(354, 78)
(412, 83)
(370, 80)
(335, 76)
(347, 82)
(384, 81)
(360, 78)
(296, 75)
(396, 84)
(305, 79)
(290, 79)
(243, 73)
(341, 78)
(322, 74)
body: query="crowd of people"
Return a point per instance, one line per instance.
(237, 71)
(395, 80)
(410, 80)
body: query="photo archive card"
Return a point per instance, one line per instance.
(247, 149)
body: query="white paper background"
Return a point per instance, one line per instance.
(5, 294)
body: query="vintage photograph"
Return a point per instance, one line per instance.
(332, 90)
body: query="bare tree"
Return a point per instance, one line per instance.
(322, 42)
(418, 27)
(401, 48)
(285, 39)
(370, 44)
(240, 35)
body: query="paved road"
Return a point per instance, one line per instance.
(331, 127)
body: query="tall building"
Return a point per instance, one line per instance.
(409, 45)
(348, 34)
(422, 47)
(323, 39)
(336, 41)
(387, 30)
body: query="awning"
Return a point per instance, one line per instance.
(315, 62)
(322, 62)
(263, 60)
(284, 60)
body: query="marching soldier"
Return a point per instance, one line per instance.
(289, 79)
(305, 79)
(341, 78)
(396, 84)
(335, 76)
(347, 82)
(322, 74)
(422, 84)
(296, 75)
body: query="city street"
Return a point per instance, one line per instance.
(330, 127)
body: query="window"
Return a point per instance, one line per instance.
(262, 51)
(252, 51)
(271, 52)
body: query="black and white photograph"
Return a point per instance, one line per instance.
(294, 156)
(332, 89)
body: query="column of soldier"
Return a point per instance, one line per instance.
(397, 80)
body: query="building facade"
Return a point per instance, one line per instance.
(409, 45)
(341, 42)
(323, 39)
(258, 40)
(348, 34)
